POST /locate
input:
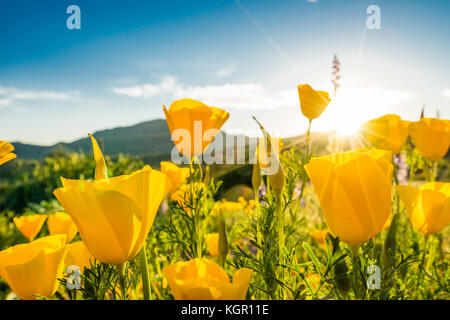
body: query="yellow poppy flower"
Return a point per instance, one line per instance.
(78, 255)
(114, 215)
(212, 242)
(33, 268)
(319, 235)
(30, 225)
(431, 137)
(250, 206)
(428, 206)
(242, 201)
(6, 150)
(202, 279)
(184, 192)
(312, 102)
(176, 174)
(187, 119)
(388, 132)
(226, 207)
(61, 223)
(354, 190)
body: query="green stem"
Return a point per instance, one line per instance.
(411, 174)
(422, 264)
(196, 214)
(256, 220)
(434, 170)
(122, 280)
(431, 172)
(268, 184)
(199, 234)
(280, 226)
(308, 138)
(355, 271)
(281, 241)
(144, 273)
(201, 171)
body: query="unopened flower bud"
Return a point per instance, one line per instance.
(223, 238)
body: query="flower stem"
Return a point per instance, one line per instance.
(198, 245)
(281, 241)
(308, 138)
(355, 271)
(434, 170)
(122, 280)
(280, 227)
(144, 273)
(422, 264)
(256, 219)
(411, 174)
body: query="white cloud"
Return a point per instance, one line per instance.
(242, 96)
(312, 1)
(357, 102)
(225, 71)
(4, 102)
(446, 93)
(8, 95)
(168, 85)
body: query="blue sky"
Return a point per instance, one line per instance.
(130, 57)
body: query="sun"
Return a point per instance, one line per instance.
(351, 108)
(344, 115)
(345, 127)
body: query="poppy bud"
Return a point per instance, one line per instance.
(256, 177)
(223, 238)
(277, 182)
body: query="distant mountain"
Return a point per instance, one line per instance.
(146, 138)
(150, 140)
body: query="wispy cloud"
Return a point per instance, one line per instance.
(231, 95)
(252, 95)
(9, 94)
(5, 102)
(168, 86)
(446, 93)
(225, 71)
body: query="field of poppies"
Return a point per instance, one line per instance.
(367, 220)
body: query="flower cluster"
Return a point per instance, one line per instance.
(107, 220)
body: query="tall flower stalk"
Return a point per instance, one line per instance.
(146, 288)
